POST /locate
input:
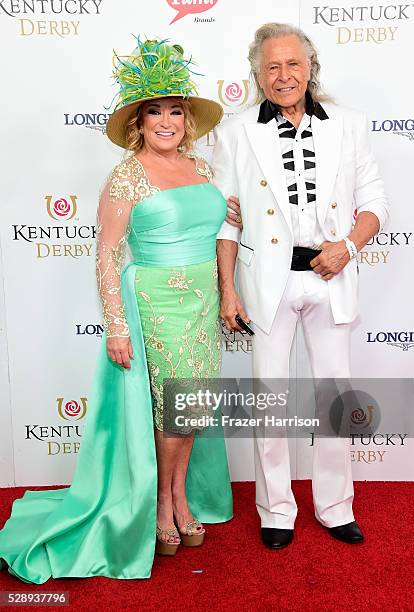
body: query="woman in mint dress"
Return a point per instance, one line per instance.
(134, 490)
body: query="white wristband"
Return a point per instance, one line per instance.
(352, 250)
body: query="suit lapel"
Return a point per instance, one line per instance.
(327, 138)
(264, 140)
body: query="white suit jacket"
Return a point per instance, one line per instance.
(247, 162)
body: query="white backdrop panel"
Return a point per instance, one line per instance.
(56, 148)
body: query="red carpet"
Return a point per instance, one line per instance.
(315, 573)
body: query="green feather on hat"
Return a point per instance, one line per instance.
(156, 69)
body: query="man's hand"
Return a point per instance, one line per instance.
(234, 218)
(120, 351)
(332, 260)
(231, 305)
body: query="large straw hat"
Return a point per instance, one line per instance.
(156, 69)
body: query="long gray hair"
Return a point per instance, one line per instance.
(276, 30)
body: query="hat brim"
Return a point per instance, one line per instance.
(207, 114)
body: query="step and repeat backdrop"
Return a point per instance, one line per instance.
(57, 87)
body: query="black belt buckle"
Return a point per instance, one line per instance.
(301, 258)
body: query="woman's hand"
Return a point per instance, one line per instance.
(234, 216)
(120, 351)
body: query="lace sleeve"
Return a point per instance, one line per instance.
(115, 204)
(202, 167)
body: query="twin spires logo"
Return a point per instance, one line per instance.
(187, 7)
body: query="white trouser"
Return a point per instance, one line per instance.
(306, 296)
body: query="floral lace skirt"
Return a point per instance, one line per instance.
(179, 309)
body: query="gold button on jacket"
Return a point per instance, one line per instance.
(333, 232)
(270, 211)
(334, 205)
(263, 182)
(274, 240)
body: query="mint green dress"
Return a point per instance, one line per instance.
(104, 524)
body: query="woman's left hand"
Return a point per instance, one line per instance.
(233, 217)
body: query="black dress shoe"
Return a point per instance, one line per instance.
(349, 533)
(276, 538)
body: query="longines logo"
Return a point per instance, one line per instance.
(89, 330)
(397, 127)
(30, 26)
(63, 208)
(400, 339)
(187, 7)
(93, 121)
(374, 256)
(235, 342)
(68, 435)
(383, 19)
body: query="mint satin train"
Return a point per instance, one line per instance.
(104, 523)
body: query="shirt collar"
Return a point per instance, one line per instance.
(269, 111)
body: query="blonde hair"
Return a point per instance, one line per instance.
(277, 30)
(135, 138)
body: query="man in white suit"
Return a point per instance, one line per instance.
(300, 166)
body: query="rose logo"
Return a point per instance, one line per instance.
(233, 92)
(358, 416)
(72, 410)
(61, 208)
(361, 418)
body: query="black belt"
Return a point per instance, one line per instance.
(302, 257)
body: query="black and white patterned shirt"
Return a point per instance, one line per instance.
(299, 161)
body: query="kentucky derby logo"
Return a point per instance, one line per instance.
(235, 341)
(72, 410)
(232, 94)
(185, 7)
(61, 209)
(382, 21)
(31, 16)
